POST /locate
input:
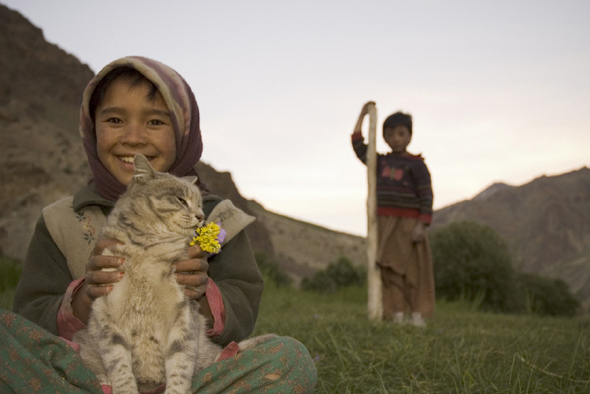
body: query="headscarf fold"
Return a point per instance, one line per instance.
(184, 113)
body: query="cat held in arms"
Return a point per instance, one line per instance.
(146, 332)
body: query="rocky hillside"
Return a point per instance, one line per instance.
(41, 154)
(42, 159)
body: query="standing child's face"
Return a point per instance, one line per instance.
(127, 123)
(398, 138)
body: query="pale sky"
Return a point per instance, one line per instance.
(499, 90)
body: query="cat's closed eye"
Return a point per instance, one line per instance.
(182, 201)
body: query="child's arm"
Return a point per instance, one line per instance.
(359, 124)
(358, 144)
(43, 282)
(422, 180)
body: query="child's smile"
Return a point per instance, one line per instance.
(127, 123)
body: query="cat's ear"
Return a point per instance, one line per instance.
(192, 179)
(142, 169)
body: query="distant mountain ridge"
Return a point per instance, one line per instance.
(546, 221)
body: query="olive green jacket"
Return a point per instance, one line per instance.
(51, 266)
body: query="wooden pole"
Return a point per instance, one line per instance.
(375, 300)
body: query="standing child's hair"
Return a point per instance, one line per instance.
(398, 119)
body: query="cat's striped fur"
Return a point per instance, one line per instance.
(146, 332)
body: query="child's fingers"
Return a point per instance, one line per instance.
(195, 293)
(97, 263)
(101, 278)
(195, 251)
(191, 265)
(98, 291)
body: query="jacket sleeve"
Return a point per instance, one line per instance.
(43, 282)
(240, 283)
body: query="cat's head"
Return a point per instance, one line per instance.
(169, 199)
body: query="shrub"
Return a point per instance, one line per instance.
(471, 261)
(10, 271)
(546, 296)
(339, 274)
(272, 270)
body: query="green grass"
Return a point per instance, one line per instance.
(460, 351)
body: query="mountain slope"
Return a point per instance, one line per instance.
(546, 222)
(41, 155)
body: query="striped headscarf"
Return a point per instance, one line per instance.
(184, 113)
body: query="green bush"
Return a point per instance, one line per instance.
(10, 271)
(472, 262)
(339, 274)
(546, 296)
(320, 283)
(271, 270)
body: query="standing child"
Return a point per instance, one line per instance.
(404, 210)
(137, 105)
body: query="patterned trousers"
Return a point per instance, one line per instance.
(32, 360)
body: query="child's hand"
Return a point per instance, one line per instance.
(419, 232)
(102, 271)
(365, 109)
(193, 272)
(97, 283)
(364, 112)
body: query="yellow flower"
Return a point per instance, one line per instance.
(208, 237)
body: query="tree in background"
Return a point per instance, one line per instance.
(339, 274)
(547, 296)
(471, 261)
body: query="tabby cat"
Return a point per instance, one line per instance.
(146, 332)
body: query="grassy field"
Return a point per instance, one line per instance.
(460, 351)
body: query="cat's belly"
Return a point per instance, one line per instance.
(138, 304)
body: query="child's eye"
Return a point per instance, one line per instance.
(114, 120)
(155, 122)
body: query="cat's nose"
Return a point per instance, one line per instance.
(200, 216)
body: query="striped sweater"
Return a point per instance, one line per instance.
(403, 183)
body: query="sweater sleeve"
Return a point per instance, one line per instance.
(359, 146)
(423, 184)
(43, 282)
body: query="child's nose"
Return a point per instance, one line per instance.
(134, 134)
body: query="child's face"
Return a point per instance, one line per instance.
(398, 138)
(127, 123)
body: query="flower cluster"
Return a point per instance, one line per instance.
(209, 237)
